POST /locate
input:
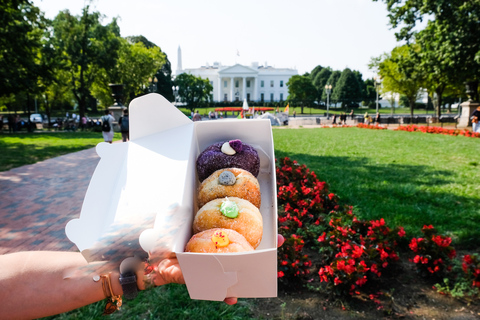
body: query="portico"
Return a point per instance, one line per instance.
(237, 83)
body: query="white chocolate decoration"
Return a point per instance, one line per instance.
(227, 149)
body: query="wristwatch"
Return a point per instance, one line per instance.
(128, 278)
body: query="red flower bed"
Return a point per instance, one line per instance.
(439, 130)
(371, 126)
(353, 251)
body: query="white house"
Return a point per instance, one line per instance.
(239, 82)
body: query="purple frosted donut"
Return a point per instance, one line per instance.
(240, 155)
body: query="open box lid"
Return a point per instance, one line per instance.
(142, 197)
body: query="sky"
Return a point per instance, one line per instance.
(298, 34)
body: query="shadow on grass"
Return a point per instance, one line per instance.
(406, 195)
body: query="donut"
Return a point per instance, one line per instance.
(227, 154)
(231, 213)
(218, 240)
(231, 182)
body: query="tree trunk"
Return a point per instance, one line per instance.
(439, 92)
(411, 102)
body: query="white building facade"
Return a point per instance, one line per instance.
(239, 82)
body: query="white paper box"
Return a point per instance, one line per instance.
(142, 196)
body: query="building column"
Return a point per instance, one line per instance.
(244, 88)
(219, 95)
(231, 89)
(255, 98)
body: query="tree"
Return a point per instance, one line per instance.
(347, 89)
(164, 75)
(315, 71)
(450, 41)
(134, 67)
(400, 73)
(321, 80)
(21, 34)
(300, 88)
(87, 47)
(332, 80)
(194, 91)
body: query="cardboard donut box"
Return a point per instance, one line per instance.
(142, 197)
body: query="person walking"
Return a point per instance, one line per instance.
(107, 126)
(124, 126)
(475, 120)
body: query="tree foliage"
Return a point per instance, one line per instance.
(21, 30)
(400, 73)
(301, 89)
(193, 91)
(347, 89)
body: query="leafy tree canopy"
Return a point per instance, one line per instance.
(193, 91)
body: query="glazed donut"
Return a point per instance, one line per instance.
(218, 241)
(231, 182)
(231, 213)
(227, 154)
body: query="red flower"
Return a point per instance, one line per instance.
(321, 238)
(401, 233)
(331, 196)
(280, 274)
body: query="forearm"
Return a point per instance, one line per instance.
(38, 284)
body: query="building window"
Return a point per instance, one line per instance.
(271, 96)
(262, 97)
(248, 96)
(225, 84)
(281, 96)
(271, 83)
(248, 83)
(281, 83)
(225, 97)
(236, 84)
(211, 83)
(262, 83)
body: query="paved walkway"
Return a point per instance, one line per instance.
(37, 201)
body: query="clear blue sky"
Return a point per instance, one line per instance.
(297, 34)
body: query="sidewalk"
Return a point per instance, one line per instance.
(37, 201)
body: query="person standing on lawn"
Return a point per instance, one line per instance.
(124, 126)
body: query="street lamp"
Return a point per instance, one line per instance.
(153, 84)
(175, 93)
(376, 88)
(328, 89)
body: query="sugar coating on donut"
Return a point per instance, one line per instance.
(213, 159)
(249, 222)
(202, 242)
(245, 186)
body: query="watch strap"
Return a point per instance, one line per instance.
(128, 281)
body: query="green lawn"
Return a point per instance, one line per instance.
(27, 148)
(410, 179)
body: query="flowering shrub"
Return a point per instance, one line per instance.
(356, 251)
(352, 251)
(439, 130)
(471, 268)
(465, 277)
(371, 126)
(433, 253)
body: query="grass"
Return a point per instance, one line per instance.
(410, 179)
(170, 302)
(27, 148)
